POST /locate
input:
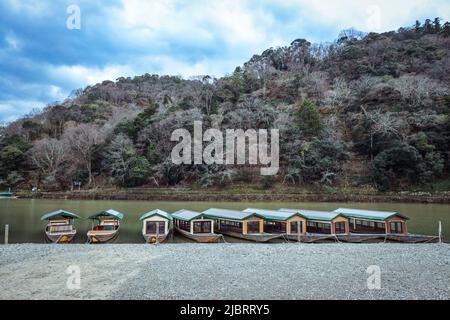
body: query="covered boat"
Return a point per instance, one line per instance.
(239, 224)
(8, 195)
(371, 225)
(320, 226)
(105, 226)
(156, 226)
(195, 226)
(60, 226)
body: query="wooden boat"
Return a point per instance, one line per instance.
(195, 226)
(105, 226)
(361, 238)
(411, 238)
(156, 226)
(8, 195)
(239, 224)
(60, 226)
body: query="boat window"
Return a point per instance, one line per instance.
(184, 225)
(296, 227)
(153, 226)
(367, 227)
(202, 227)
(339, 227)
(231, 226)
(396, 227)
(253, 227)
(274, 227)
(318, 227)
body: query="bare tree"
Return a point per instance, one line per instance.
(83, 141)
(417, 89)
(48, 155)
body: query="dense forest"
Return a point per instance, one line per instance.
(368, 110)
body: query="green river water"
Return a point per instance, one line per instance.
(23, 215)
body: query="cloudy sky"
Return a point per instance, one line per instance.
(42, 60)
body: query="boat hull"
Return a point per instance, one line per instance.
(95, 237)
(153, 238)
(311, 238)
(65, 237)
(411, 238)
(252, 237)
(201, 238)
(363, 238)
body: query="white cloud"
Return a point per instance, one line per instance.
(81, 76)
(175, 37)
(10, 110)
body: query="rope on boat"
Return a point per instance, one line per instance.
(286, 240)
(223, 238)
(337, 239)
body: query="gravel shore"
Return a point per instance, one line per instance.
(225, 271)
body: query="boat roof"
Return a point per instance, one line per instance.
(272, 214)
(7, 193)
(156, 212)
(186, 215)
(368, 214)
(108, 213)
(228, 214)
(313, 214)
(60, 214)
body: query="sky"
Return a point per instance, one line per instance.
(48, 48)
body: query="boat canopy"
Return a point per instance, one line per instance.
(7, 194)
(369, 214)
(187, 215)
(156, 212)
(60, 214)
(314, 215)
(229, 214)
(272, 214)
(108, 213)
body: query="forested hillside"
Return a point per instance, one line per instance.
(369, 110)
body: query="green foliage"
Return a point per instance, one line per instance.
(405, 164)
(131, 128)
(308, 118)
(139, 170)
(320, 160)
(12, 153)
(267, 182)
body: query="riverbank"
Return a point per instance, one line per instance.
(240, 193)
(225, 271)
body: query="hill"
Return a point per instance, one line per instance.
(368, 111)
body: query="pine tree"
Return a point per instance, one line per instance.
(428, 27)
(437, 25)
(417, 27)
(445, 32)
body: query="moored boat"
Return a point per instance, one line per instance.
(239, 224)
(8, 195)
(412, 238)
(156, 226)
(60, 226)
(105, 226)
(195, 226)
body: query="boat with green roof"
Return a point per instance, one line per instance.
(8, 195)
(239, 224)
(156, 226)
(105, 226)
(60, 226)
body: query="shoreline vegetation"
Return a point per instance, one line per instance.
(243, 193)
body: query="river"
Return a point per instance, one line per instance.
(23, 215)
